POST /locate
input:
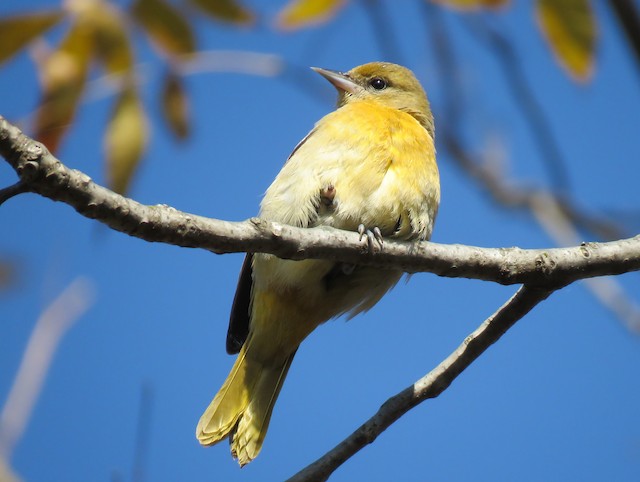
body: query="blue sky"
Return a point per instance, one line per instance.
(555, 399)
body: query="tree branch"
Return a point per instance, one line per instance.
(43, 174)
(13, 190)
(557, 213)
(429, 386)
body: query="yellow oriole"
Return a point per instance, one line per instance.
(370, 163)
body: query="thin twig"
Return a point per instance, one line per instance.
(445, 57)
(554, 212)
(382, 32)
(11, 191)
(608, 291)
(493, 181)
(143, 436)
(516, 196)
(429, 386)
(525, 98)
(55, 320)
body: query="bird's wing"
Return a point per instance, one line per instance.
(299, 144)
(239, 319)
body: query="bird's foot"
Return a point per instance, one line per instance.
(373, 236)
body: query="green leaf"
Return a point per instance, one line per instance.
(175, 106)
(125, 139)
(164, 25)
(17, 31)
(571, 32)
(225, 10)
(302, 13)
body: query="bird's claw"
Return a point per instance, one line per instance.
(373, 235)
(378, 235)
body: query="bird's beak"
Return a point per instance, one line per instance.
(340, 81)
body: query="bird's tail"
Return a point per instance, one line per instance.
(242, 408)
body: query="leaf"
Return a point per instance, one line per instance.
(164, 25)
(302, 13)
(97, 31)
(125, 139)
(63, 76)
(225, 10)
(571, 31)
(17, 31)
(175, 106)
(111, 44)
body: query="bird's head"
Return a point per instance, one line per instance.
(384, 83)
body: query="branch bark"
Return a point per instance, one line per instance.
(429, 386)
(40, 172)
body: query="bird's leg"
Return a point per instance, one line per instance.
(373, 235)
(327, 195)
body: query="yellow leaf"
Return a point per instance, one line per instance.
(17, 31)
(571, 31)
(301, 13)
(226, 10)
(111, 43)
(165, 25)
(97, 31)
(125, 139)
(175, 106)
(63, 76)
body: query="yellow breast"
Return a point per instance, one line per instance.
(385, 170)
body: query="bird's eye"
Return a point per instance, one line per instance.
(378, 83)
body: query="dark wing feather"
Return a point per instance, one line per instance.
(240, 310)
(299, 145)
(239, 319)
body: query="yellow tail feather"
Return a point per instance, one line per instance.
(242, 408)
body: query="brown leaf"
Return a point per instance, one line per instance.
(17, 31)
(8, 276)
(125, 139)
(63, 76)
(571, 32)
(302, 13)
(164, 25)
(175, 106)
(226, 10)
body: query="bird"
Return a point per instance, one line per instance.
(369, 166)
